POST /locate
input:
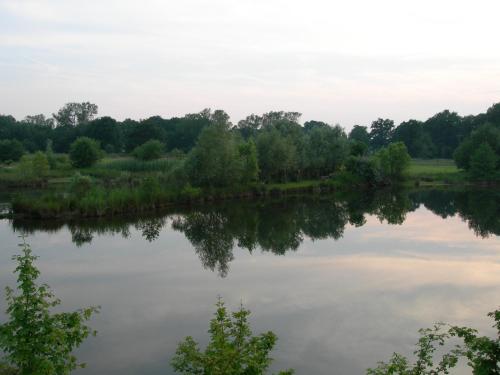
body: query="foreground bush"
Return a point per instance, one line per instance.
(84, 152)
(482, 353)
(151, 150)
(232, 350)
(35, 340)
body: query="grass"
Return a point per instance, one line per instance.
(128, 164)
(435, 171)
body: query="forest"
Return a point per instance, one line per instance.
(437, 137)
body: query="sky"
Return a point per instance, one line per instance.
(346, 62)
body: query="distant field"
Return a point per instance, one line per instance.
(434, 170)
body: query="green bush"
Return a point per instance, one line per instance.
(482, 353)
(482, 164)
(232, 350)
(33, 166)
(84, 152)
(34, 339)
(365, 169)
(11, 150)
(393, 161)
(40, 164)
(150, 150)
(80, 185)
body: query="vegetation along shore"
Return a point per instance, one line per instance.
(88, 166)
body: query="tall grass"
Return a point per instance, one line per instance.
(99, 201)
(435, 170)
(134, 165)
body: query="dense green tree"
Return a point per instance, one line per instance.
(11, 149)
(493, 115)
(444, 129)
(381, 133)
(74, 114)
(151, 150)
(250, 166)
(487, 133)
(357, 148)
(483, 163)
(327, 149)
(274, 117)
(393, 160)
(312, 125)
(84, 152)
(182, 133)
(141, 132)
(63, 137)
(7, 125)
(249, 126)
(416, 139)
(220, 118)
(277, 155)
(39, 120)
(232, 350)
(360, 134)
(106, 131)
(215, 161)
(34, 339)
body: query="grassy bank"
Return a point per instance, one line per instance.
(433, 172)
(119, 185)
(149, 196)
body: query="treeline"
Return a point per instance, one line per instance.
(273, 147)
(437, 137)
(215, 153)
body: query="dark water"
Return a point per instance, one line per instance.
(343, 281)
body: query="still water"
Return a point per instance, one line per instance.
(343, 281)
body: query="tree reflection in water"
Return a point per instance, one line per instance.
(280, 225)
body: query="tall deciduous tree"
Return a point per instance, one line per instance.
(73, 114)
(360, 134)
(214, 161)
(381, 133)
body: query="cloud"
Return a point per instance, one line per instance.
(332, 60)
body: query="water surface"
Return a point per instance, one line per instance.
(343, 281)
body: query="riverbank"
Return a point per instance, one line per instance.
(111, 192)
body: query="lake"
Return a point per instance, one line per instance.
(342, 280)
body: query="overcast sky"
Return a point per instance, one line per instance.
(341, 62)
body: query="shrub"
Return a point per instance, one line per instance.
(40, 164)
(33, 166)
(487, 133)
(365, 169)
(393, 160)
(482, 353)
(35, 340)
(232, 349)
(84, 152)
(11, 149)
(149, 150)
(80, 185)
(49, 152)
(483, 162)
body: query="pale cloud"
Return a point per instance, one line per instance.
(337, 61)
